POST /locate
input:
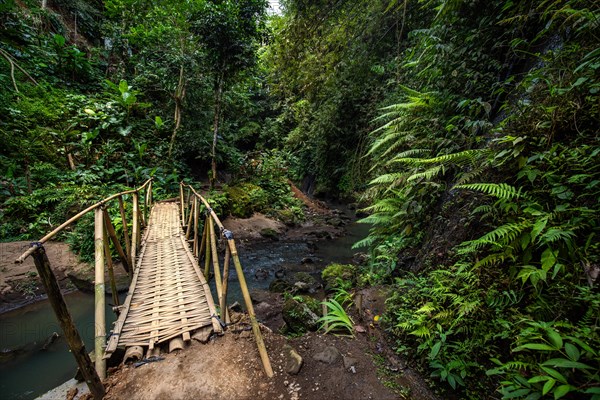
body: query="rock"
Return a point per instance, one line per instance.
(261, 274)
(335, 271)
(203, 334)
(349, 362)
(280, 286)
(269, 233)
(83, 280)
(71, 393)
(328, 355)
(293, 360)
(305, 282)
(336, 222)
(360, 329)
(307, 260)
(300, 313)
(280, 273)
(260, 295)
(360, 258)
(265, 310)
(237, 307)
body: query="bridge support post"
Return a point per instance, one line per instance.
(262, 349)
(66, 322)
(126, 236)
(135, 229)
(100, 298)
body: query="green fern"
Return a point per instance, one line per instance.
(499, 190)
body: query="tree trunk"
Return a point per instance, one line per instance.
(178, 96)
(218, 99)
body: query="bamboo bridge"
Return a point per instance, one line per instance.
(169, 299)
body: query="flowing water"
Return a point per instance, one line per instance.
(27, 370)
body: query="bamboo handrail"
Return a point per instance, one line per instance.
(262, 350)
(76, 217)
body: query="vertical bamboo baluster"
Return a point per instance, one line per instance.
(188, 200)
(149, 196)
(126, 234)
(196, 227)
(216, 266)
(182, 209)
(188, 230)
(203, 240)
(135, 228)
(72, 336)
(262, 349)
(111, 272)
(112, 234)
(223, 300)
(207, 248)
(100, 317)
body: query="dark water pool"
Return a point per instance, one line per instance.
(27, 370)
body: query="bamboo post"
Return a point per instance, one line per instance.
(196, 227)
(100, 320)
(262, 350)
(70, 332)
(135, 228)
(112, 234)
(111, 272)
(216, 266)
(206, 249)
(181, 203)
(203, 240)
(223, 300)
(126, 234)
(188, 227)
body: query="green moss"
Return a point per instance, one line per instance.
(246, 199)
(335, 272)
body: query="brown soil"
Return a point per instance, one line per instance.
(19, 283)
(229, 367)
(250, 228)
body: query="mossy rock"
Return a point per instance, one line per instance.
(269, 233)
(301, 314)
(335, 271)
(304, 282)
(280, 286)
(246, 199)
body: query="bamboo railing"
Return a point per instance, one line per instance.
(206, 246)
(104, 231)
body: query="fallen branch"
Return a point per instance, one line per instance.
(13, 63)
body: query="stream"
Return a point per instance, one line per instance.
(27, 369)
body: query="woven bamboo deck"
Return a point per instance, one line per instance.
(168, 297)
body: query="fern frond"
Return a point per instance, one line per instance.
(499, 190)
(428, 174)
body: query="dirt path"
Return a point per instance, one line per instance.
(228, 367)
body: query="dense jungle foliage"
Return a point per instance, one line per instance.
(468, 129)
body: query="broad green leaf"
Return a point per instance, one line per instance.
(535, 346)
(555, 338)
(555, 374)
(561, 391)
(548, 260)
(572, 352)
(548, 386)
(435, 350)
(538, 227)
(564, 363)
(539, 378)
